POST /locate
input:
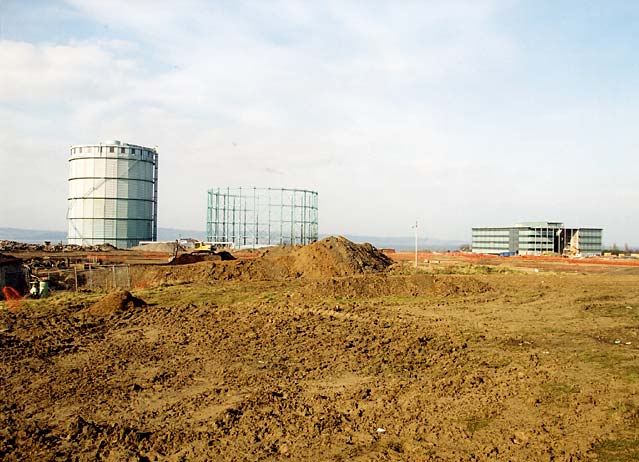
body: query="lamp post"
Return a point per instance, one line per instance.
(415, 228)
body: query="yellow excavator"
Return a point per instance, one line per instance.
(202, 247)
(207, 247)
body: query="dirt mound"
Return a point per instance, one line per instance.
(161, 247)
(328, 258)
(337, 256)
(117, 301)
(239, 270)
(276, 251)
(188, 258)
(460, 285)
(383, 285)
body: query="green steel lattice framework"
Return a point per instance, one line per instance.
(254, 217)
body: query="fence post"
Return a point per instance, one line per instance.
(75, 276)
(114, 280)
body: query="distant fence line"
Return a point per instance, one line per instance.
(101, 277)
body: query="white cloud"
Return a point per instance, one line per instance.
(60, 74)
(322, 105)
(364, 102)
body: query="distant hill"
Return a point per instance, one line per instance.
(397, 243)
(171, 234)
(406, 242)
(32, 235)
(38, 235)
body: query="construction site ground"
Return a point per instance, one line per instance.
(329, 353)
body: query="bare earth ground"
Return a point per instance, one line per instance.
(380, 365)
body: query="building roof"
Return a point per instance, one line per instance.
(9, 260)
(540, 224)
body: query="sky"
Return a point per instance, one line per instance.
(455, 114)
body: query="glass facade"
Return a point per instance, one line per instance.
(538, 238)
(589, 241)
(493, 240)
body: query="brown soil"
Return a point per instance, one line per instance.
(238, 362)
(330, 257)
(161, 247)
(394, 285)
(337, 256)
(188, 258)
(115, 302)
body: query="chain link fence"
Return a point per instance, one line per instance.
(93, 278)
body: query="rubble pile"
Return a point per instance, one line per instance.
(14, 246)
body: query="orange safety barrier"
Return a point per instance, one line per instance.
(421, 256)
(13, 298)
(146, 255)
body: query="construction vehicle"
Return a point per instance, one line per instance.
(202, 247)
(207, 247)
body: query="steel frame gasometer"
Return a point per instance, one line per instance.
(256, 217)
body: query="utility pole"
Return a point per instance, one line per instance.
(415, 228)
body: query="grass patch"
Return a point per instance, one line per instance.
(617, 450)
(448, 267)
(632, 372)
(392, 300)
(197, 294)
(621, 361)
(61, 300)
(472, 269)
(270, 297)
(167, 294)
(498, 362)
(474, 424)
(630, 414)
(615, 361)
(559, 388)
(610, 310)
(392, 445)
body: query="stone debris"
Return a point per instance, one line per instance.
(14, 246)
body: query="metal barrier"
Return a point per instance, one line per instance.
(93, 278)
(105, 277)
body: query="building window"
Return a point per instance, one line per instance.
(80, 150)
(121, 150)
(111, 149)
